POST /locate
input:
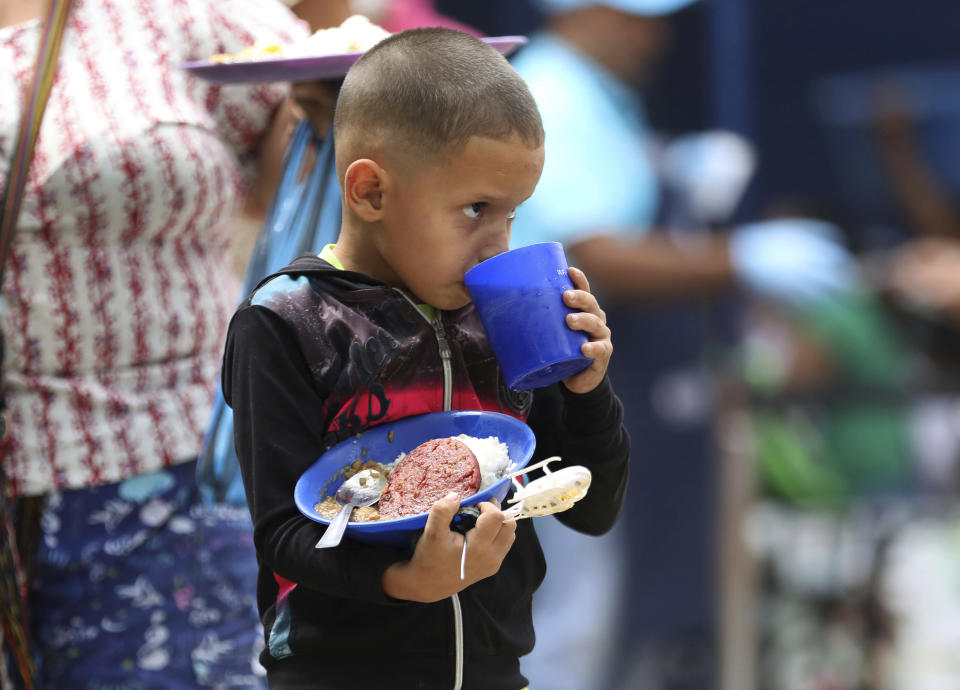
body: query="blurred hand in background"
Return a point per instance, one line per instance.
(797, 261)
(925, 273)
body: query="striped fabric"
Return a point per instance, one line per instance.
(119, 281)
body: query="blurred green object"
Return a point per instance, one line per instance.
(790, 467)
(851, 440)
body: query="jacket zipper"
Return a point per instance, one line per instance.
(444, 347)
(445, 357)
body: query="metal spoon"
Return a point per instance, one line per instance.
(362, 489)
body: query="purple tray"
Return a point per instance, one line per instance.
(331, 66)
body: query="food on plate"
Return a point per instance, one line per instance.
(355, 34)
(329, 507)
(428, 473)
(493, 456)
(490, 455)
(257, 51)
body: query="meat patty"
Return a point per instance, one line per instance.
(428, 473)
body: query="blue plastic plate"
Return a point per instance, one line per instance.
(385, 442)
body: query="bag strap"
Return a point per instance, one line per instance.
(38, 93)
(14, 585)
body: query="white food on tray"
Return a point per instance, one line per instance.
(356, 33)
(493, 456)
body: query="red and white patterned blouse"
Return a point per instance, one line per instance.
(119, 283)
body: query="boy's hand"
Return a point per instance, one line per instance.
(433, 573)
(593, 321)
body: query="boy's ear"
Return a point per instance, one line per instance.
(364, 184)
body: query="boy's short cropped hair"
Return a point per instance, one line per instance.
(427, 92)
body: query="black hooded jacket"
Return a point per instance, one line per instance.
(316, 355)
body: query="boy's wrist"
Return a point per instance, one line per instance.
(594, 411)
(586, 398)
(395, 580)
(403, 581)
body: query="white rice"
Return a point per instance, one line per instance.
(493, 456)
(355, 33)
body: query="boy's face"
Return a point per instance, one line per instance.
(442, 220)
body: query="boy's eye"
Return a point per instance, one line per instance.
(473, 211)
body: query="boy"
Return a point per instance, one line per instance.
(438, 141)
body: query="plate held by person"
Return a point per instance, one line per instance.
(312, 68)
(385, 442)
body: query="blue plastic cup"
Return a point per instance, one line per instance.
(519, 298)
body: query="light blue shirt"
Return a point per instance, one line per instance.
(597, 173)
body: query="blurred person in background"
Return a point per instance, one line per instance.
(392, 15)
(921, 278)
(638, 608)
(913, 129)
(925, 271)
(321, 14)
(117, 293)
(826, 423)
(397, 15)
(855, 424)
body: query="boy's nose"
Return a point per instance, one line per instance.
(491, 250)
(501, 240)
(496, 238)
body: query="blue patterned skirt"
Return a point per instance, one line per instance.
(140, 585)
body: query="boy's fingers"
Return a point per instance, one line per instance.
(585, 302)
(599, 350)
(579, 278)
(490, 524)
(487, 522)
(506, 535)
(591, 324)
(441, 514)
